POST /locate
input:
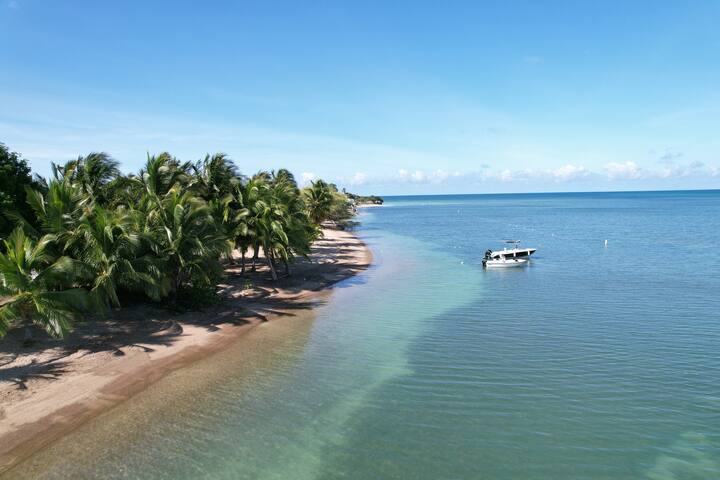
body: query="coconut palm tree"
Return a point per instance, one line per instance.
(297, 225)
(161, 173)
(217, 181)
(38, 287)
(107, 243)
(60, 209)
(253, 193)
(319, 201)
(215, 177)
(275, 219)
(186, 239)
(92, 174)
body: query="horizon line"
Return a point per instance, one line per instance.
(549, 193)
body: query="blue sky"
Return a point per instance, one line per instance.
(381, 97)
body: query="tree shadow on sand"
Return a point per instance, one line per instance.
(246, 298)
(19, 375)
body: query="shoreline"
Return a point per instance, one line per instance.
(48, 393)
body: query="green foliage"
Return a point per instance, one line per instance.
(325, 202)
(185, 238)
(319, 198)
(341, 210)
(89, 236)
(364, 199)
(194, 297)
(39, 287)
(14, 179)
(92, 174)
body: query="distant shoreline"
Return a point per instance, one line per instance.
(48, 393)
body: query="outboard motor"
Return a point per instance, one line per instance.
(488, 253)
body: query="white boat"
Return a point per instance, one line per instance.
(508, 257)
(505, 262)
(514, 252)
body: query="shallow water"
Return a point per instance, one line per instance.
(593, 362)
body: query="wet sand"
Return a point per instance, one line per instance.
(53, 388)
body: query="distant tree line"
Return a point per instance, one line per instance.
(364, 199)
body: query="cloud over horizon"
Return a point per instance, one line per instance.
(628, 171)
(386, 168)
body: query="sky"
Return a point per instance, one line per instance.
(400, 97)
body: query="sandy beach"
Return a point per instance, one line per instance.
(52, 388)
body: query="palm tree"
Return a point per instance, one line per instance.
(217, 181)
(319, 201)
(60, 209)
(161, 173)
(230, 219)
(38, 288)
(277, 220)
(99, 233)
(92, 174)
(297, 225)
(215, 177)
(107, 244)
(186, 239)
(252, 193)
(341, 210)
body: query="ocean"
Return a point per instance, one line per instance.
(596, 361)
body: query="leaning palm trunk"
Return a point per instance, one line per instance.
(256, 251)
(271, 263)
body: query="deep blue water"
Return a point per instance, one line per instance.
(593, 362)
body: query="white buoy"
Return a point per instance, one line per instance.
(606, 242)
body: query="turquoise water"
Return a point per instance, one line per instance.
(593, 362)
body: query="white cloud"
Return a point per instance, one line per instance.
(359, 178)
(669, 170)
(422, 176)
(418, 176)
(692, 169)
(566, 173)
(531, 179)
(570, 172)
(507, 175)
(306, 178)
(623, 171)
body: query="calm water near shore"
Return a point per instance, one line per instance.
(594, 362)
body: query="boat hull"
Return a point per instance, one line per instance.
(505, 263)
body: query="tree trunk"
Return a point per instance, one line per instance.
(271, 264)
(177, 281)
(28, 338)
(242, 261)
(256, 252)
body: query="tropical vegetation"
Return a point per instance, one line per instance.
(89, 237)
